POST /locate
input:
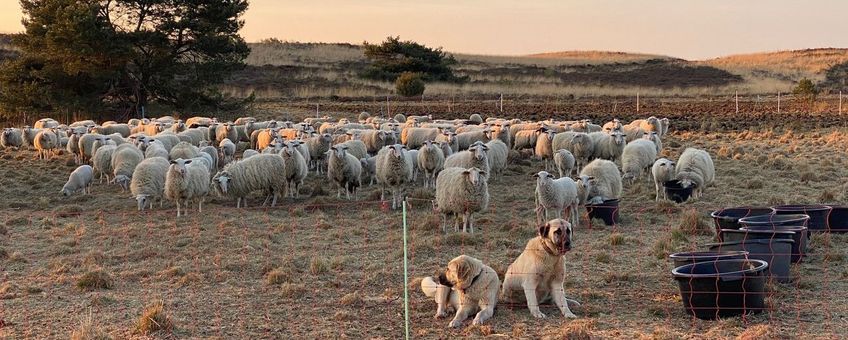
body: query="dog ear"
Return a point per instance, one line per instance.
(443, 280)
(463, 270)
(544, 229)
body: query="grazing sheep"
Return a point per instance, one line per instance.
(356, 148)
(556, 195)
(607, 181)
(122, 129)
(663, 171)
(228, 150)
(45, 123)
(80, 179)
(475, 118)
(148, 182)
(11, 138)
(497, 152)
(155, 148)
(695, 168)
(226, 131)
(261, 172)
(414, 137)
(183, 150)
(607, 146)
(102, 162)
(431, 160)
(124, 160)
(579, 144)
(656, 139)
(296, 168)
(564, 162)
(461, 191)
(186, 182)
(474, 157)
(249, 153)
(46, 143)
(545, 147)
(344, 170)
(394, 169)
(638, 156)
(465, 139)
(526, 139)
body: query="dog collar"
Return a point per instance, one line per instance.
(549, 250)
(472, 281)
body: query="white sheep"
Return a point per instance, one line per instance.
(447, 149)
(155, 148)
(318, 146)
(556, 195)
(497, 152)
(213, 155)
(461, 191)
(369, 169)
(12, 138)
(638, 156)
(394, 169)
(663, 171)
(228, 150)
(296, 168)
(225, 131)
(45, 123)
(148, 182)
(414, 137)
(656, 139)
(102, 162)
(564, 162)
(695, 168)
(46, 143)
(344, 170)
(431, 160)
(608, 146)
(632, 133)
(545, 147)
(86, 143)
(249, 153)
(124, 160)
(80, 179)
(607, 181)
(614, 125)
(474, 157)
(261, 172)
(374, 140)
(465, 139)
(122, 129)
(183, 150)
(578, 143)
(28, 135)
(356, 148)
(501, 132)
(186, 182)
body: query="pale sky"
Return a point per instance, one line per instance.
(691, 29)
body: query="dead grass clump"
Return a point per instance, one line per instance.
(808, 176)
(89, 331)
(17, 257)
(423, 194)
(431, 222)
(290, 290)
(692, 223)
(603, 258)
(94, 280)
(277, 276)
(342, 316)
(616, 239)
(351, 299)
(756, 332)
(724, 152)
(580, 329)
(318, 266)
(754, 184)
(827, 196)
(8, 290)
(459, 239)
(67, 210)
(778, 162)
(154, 319)
(190, 279)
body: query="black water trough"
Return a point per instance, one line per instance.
(837, 221)
(801, 236)
(682, 259)
(776, 252)
(607, 211)
(676, 192)
(723, 288)
(728, 218)
(818, 214)
(773, 220)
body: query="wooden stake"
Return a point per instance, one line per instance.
(778, 102)
(637, 102)
(840, 102)
(737, 101)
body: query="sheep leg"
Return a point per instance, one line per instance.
(274, 201)
(200, 206)
(178, 208)
(471, 221)
(444, 223)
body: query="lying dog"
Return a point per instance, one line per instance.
(468, 286)
(537, 274)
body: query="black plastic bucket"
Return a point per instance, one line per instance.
(723, 288)
(677, 193)
(607, 211)
(817, 212)
(728, 218)
(682, 259)
(773, 220)
(776, 252)
(837, 221)
(801, 236)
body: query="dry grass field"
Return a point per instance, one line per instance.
(318, 267)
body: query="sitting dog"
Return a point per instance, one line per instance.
(468, 286)
(537, 274)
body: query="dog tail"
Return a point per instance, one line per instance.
(428, 286)
(570, 301)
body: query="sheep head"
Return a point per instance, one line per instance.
(474, 176)
(222, 179)
(179, 166)
(141, 199)
(479, 150)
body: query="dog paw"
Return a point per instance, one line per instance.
(569, 315)
(440, 315)
(538, 314)
(477, 322)
(455, 324)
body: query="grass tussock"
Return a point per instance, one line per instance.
(318, 266)
(693, 223)
(616, 239)
(580, 329)
(88, 330)
(154, 319)
(94, 280)
(351, 299)
(277, 276)
(291, 290)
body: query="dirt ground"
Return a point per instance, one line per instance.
(319, 267)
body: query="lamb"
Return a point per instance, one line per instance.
(497, 153)
(695, 168)
(259, 172)
(344, 170)
(356, 148)
(394, 169)
(369, 169)
(46, 143)
(249, 153)
(579, 144)
(557, 195)
(461, 191)
(225, 131)
(186, 182)
(80, 179)
(124, 160)
(183, 150)
(449, 138)
(564, 162)
(11, 138)
(414, 137)
(608, 146)
(148, 182)
(545, 148)
(73, 146)
(430, 160)
(607, 181)
(656, 139)
(318, 146)
(102, 161)
(156, 149)
(638, 156)
(447, 150)
(474, 157)
(663, 171)
(296, 168)
(465, 139)
(228, 150)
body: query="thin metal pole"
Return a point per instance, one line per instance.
(778, 102)
(405, 275)
(840, 102)
(501, 102)
(637, 102)
(316, 110)
(737, 101)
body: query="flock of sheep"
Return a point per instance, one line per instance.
(185, 161)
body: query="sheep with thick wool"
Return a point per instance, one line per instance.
(318, 146)
(148, 182)
(526, 139)
(579, 144)
(344, 170)
(296, 168)
(394, 170)
(695, 168)
(186, 182)
(461, 192)
(80, 179)
(12, 138)
(414, 137)
(431, 160)
(558, 195)
(475, 157)
(449, 138)
(73, 146)
(545, 148)
(608, 145)
(155, 148)
(102, 162)
(656, 139)
(663, 171)
(183, 150)
(466, 139)
(638, 157)
(261, 172)
(124, 160)
(213, 155)
(226, 131)
(564, 162)
(497, 152)
(46, 143)
(228, 150)
(607, 181)
(356, 148)
(122, 129)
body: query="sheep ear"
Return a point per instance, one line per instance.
(173, 162)
(188, 161)
(536, 175)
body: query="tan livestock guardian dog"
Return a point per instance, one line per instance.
(537, 274)
(468, 286)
